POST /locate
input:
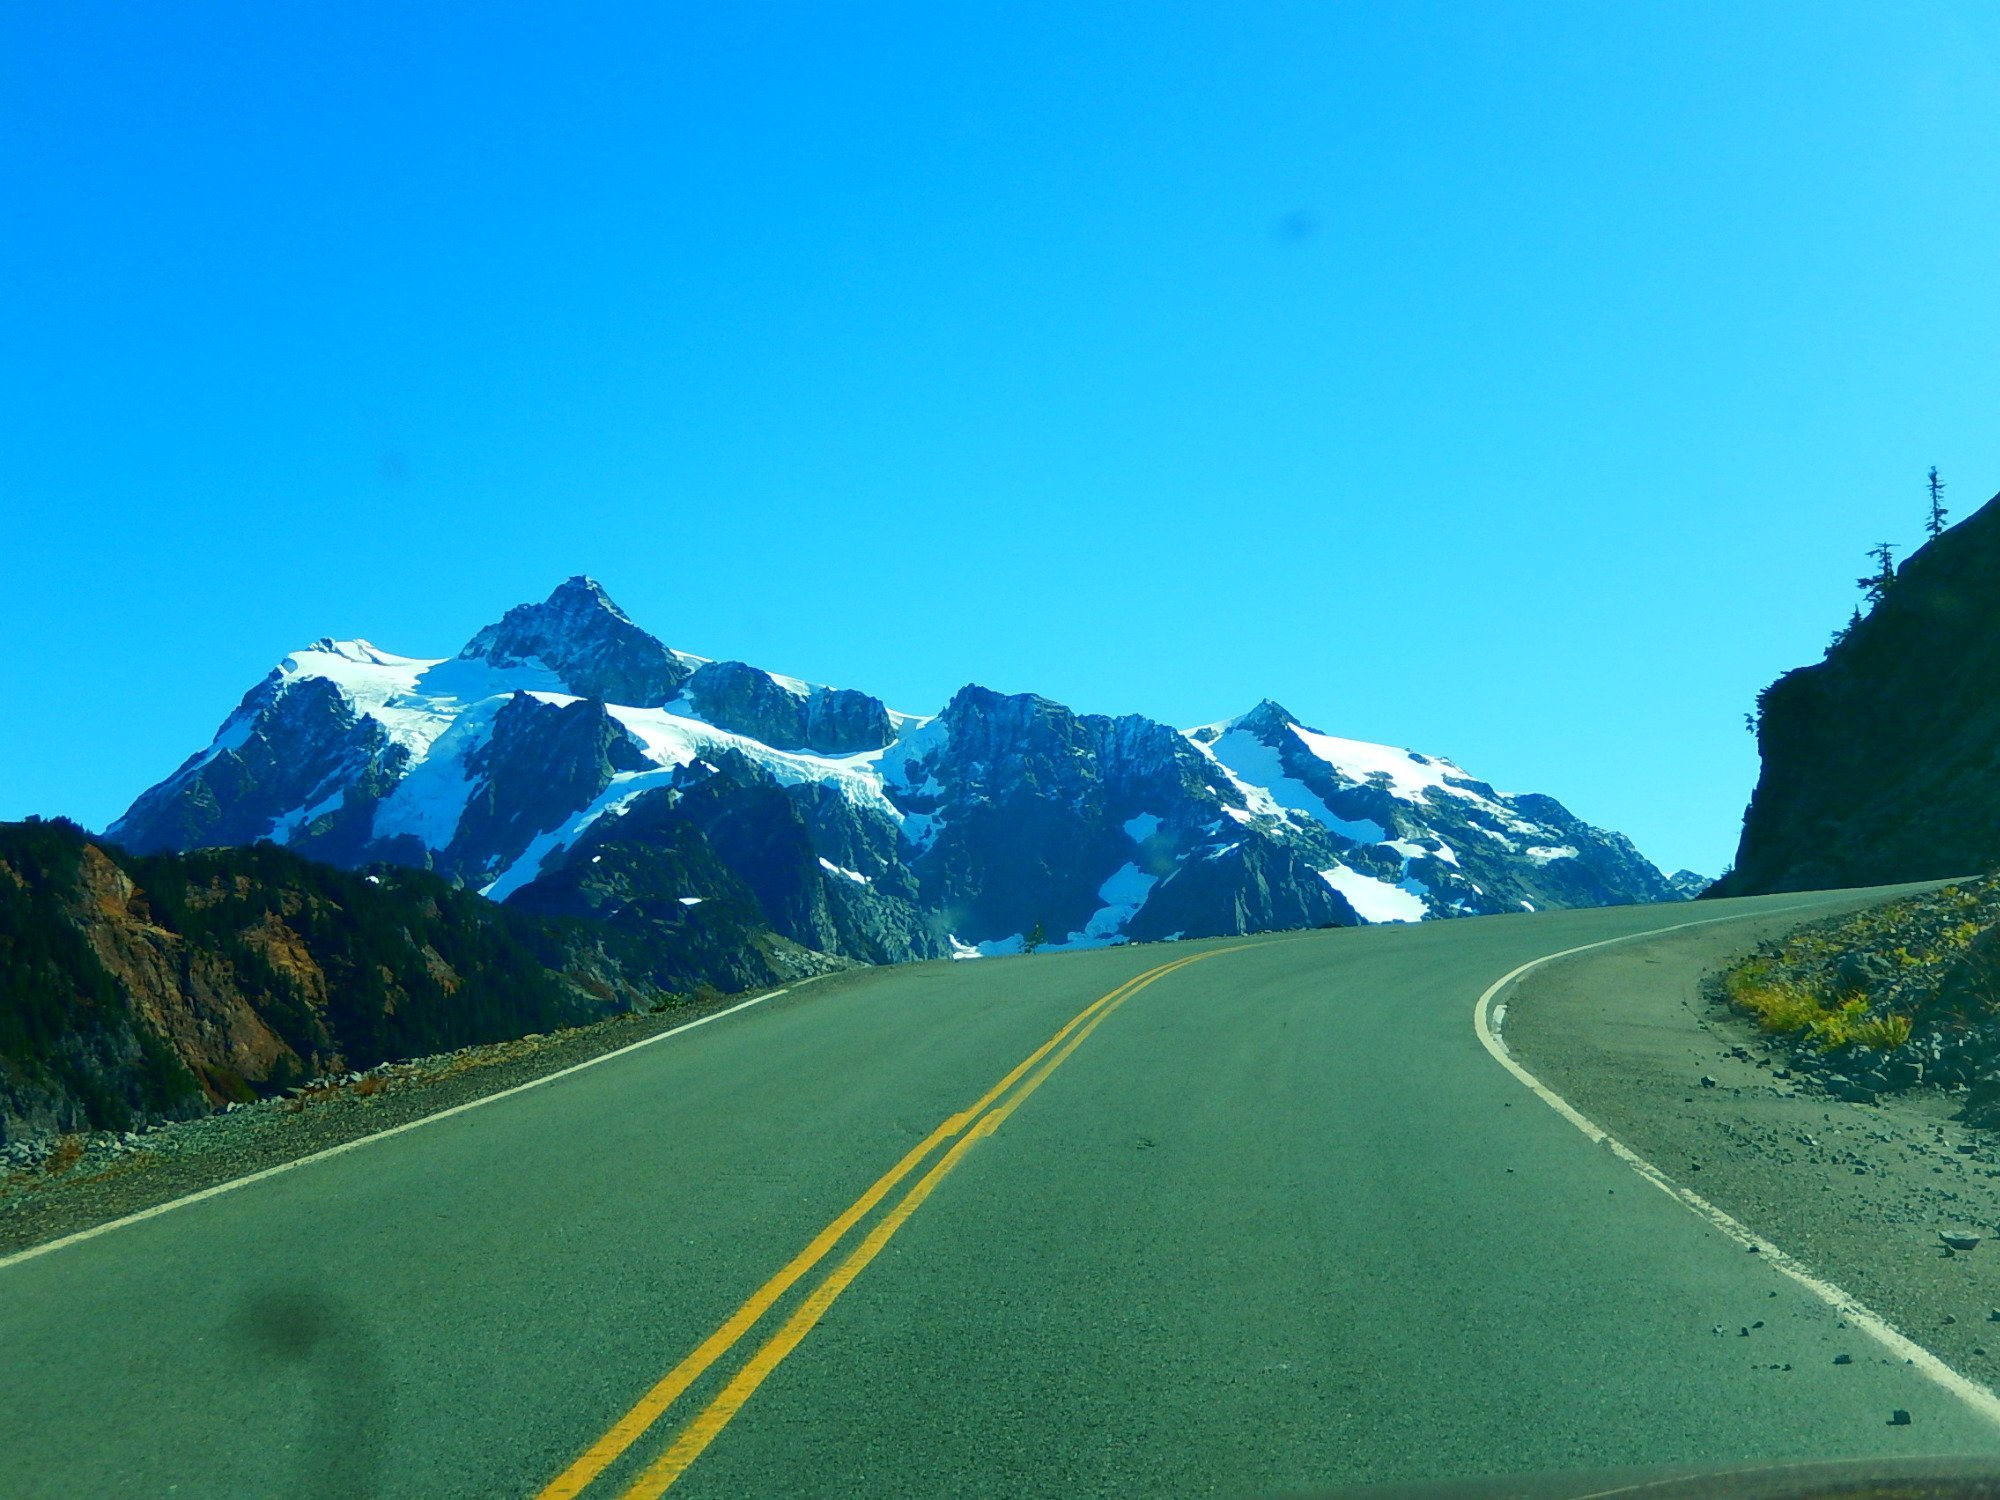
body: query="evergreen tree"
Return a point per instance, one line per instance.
(1876, 585)
(1936, 524)
(1844, 631)
(1034, 939)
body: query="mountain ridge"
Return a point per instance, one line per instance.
(139, 988)
(880, 834)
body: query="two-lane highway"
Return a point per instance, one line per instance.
(1212, 1218)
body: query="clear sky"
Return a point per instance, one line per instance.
(1521, 383)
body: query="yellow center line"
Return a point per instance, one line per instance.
(708, 1424)
(649, 1407)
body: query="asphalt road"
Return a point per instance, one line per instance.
(1273, 1221)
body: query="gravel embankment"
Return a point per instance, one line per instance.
(56, 1187)
(1860, 1192)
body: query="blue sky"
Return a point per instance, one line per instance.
(1518, 383)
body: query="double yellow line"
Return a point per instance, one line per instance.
(969, 1127)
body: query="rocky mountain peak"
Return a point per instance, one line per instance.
(589, 642)
(582, 585)
(1267, 721)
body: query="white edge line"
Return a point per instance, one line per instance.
(1982, 1401)
(382, 1135)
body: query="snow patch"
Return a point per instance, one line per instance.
(1123, 894)
(1377, 900)
(921, 829)
(1141, 828)
(414, 699)
(290, 826)
(1255, 768)
(792, 685)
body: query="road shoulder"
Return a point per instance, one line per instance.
(1858, 1193)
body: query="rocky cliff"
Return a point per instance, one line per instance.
(1881, 763)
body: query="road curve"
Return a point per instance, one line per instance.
(1270, 1219)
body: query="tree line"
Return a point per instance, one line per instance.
(1876, 583)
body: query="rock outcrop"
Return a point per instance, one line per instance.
(1881, 763)
(788, 715)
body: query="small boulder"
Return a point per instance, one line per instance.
(1848, 1089)
(1902, 1072)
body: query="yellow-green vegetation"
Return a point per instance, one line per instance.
(1883, 1033)
(1867, 980)
(1886, 930)
(1788, 1007)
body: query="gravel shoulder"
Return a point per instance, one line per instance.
(1858, 1192)
(90, 1180)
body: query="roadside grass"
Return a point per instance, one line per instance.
(1883, 1033)
(1787, 1007)
(1797, 987)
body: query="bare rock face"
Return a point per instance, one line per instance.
(1881, 763)
(841, 721)
(827, 721)
(1030, 802)
(190, 999)
(1258, 885)
(286, 741)
(541, 762)
(727, 834)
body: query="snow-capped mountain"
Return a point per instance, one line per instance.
(567, 761)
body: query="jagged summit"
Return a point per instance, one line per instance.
(583, 583)
(1269, 716)
(588, 642)
(565, 735)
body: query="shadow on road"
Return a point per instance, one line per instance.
(327, 1381)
